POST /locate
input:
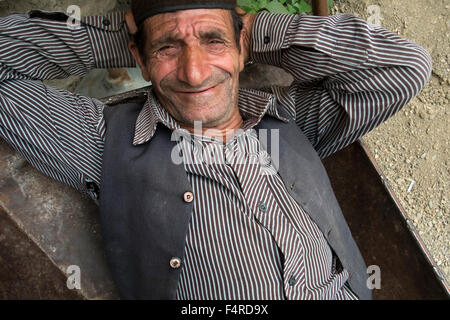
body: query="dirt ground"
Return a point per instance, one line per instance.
(412, 148)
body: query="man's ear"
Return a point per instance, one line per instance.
(132, 30)
(138, 58)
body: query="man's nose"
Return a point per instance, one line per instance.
(193, 68)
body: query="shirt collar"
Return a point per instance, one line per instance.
(253, 105)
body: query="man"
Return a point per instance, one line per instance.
(254, 219)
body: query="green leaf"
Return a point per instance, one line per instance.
(249, 6)
(247, 9)
(303, 7)
(262, 3)
(295, 3)
(245, 3)
(330, 4)
(275, 7)
(291, 9)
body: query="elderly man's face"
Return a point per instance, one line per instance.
(194, 64)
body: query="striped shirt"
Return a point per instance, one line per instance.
(247, 238)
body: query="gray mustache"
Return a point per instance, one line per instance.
(214, 80)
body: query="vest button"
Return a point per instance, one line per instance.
(188, 197)
(175, 262)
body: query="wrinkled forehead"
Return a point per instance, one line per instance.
(188, 21)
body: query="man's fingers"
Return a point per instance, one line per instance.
(239, 10)
(131, 24)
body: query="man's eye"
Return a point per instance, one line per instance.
(215, 41)
(216, 45)
(167, 50)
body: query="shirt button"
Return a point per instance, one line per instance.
(292, 281)
(175, 262)
(106, 22)
(266, 39)
(262, 207)
(188, 197)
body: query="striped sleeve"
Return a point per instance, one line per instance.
(109, 38)
(350, 76)
(58, 132)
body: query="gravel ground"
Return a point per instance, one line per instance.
(412, 148)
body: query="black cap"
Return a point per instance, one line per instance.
(143, 9)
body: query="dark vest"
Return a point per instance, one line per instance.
(144, 217)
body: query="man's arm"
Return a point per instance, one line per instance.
(349, 76)
(59, 133)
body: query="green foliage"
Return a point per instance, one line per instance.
(277, 6)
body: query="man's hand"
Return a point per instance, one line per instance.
(131, 24)
(247, 20)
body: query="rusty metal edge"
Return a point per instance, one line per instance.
(438, 273)
(124, 97)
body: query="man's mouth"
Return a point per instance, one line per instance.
(197, 92)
